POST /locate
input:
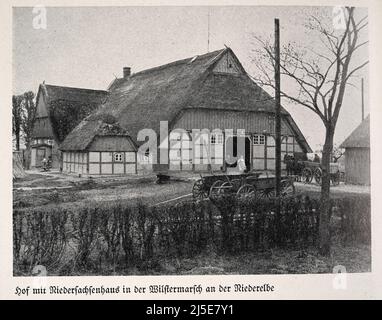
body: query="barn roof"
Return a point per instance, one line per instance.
(82, 135)
(360, 137)
(161, 93)
(66, 107)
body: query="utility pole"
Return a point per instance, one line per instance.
(208, 31)
(278, 107)
(363, 101)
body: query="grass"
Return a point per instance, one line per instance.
(144, 189)
(355, 259)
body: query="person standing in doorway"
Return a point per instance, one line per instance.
(44, 163)
(241, 164)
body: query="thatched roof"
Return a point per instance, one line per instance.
(161, 93)
(97, 125)
(360, 137)
(66, 107)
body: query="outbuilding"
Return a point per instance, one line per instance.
(103, 148)
(357, 154)
(59, 110)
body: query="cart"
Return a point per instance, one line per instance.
(213, 186)
(314, 170)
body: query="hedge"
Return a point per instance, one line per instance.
(123, 234)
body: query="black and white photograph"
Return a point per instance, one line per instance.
(190, 140)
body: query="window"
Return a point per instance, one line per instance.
(258, 139)
(118, 157)
(217, 138)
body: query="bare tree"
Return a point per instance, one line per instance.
(318, 80)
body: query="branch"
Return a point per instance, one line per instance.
(355, 69)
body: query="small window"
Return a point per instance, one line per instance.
(175, 136)
(118, 157)
(217, 138)
(258, 139)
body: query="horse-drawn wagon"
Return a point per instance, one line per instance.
(213, 186)
(306, 170)
(314, 170)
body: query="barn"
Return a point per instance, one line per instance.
(59, 111)
(210, 92)
(357, 154)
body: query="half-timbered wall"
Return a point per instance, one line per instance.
(99, 163)
(74, 162)
(107, 155)
(107, 163)
(259, 127)
(180, 151)
(288, 146)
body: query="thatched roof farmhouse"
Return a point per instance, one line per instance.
(209, 91)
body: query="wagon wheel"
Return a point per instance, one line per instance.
(307, 175)
(246, 190)
(287, 188)
(215, 189)
(198, 190)
(318, 175)
(236, 183)
(268, 193)
(226, 187)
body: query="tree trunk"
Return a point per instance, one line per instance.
(28, 152)
(324, 227)
(17, 134)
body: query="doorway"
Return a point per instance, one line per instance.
(40, 155)
(231, 152)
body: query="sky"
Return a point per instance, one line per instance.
(87, 47)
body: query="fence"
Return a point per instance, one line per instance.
(121, 234)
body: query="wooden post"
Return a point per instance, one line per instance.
(363, 100)
(208, 31)
(278, 132)
(277, 100)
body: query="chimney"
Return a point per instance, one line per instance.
(126, 72)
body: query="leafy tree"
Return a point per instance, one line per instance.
(28, 117)
(66, 115)
(17, 118)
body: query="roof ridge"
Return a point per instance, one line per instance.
(217, 56)
(76, 88)
(177, 62)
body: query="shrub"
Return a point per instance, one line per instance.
(40, 238)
